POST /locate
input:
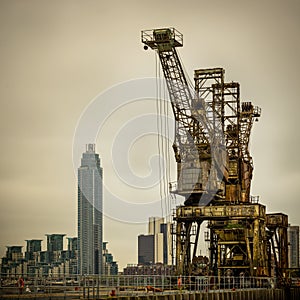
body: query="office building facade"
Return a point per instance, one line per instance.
(90, 219)
(154, 225)
(156, 247)
(165, 229)
(146, 249)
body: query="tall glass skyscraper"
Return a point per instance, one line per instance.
(90, 220)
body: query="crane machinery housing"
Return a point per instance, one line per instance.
(214, 171)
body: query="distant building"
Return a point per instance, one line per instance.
(154, 225)
(12, 260)
(156, 247)
(153, 269)
(32, 247)
(165, 229)
(146, 249)
(32, 256)
(14, 253)
(55, 242)
(55, 261)
(293, 242)
(110, 267)
(90, 222)
(72, 247)
(72, 255)
(55, 246)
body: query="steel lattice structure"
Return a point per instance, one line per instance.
(214, 170)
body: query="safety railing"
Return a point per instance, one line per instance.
(95, 287)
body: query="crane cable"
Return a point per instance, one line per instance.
(158, 130)
(164, 146)
(167, 137)
(162, 112)
(168, 197)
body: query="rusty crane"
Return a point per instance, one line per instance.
(214, 170)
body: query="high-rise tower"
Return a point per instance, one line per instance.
(90, 213)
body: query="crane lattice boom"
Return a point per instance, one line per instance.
(194, 131)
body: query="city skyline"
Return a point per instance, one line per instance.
(58, 56)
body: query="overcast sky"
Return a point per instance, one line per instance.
(57, 56)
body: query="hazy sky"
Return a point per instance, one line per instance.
(57, 56)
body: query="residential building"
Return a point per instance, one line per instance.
(110, 267)
(55, 246)
(72, 255)
(14, 253)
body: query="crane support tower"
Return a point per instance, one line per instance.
(214, 171)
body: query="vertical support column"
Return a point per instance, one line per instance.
(179, 263)
(213, 251)
(219, 260)
(284, 246)
(256, 246)
(187, 248)
(264, 248)
(249, 252)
